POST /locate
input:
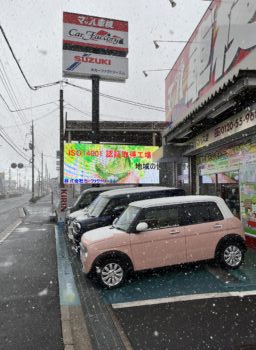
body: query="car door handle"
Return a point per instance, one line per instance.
(217, 226)
(174, 232)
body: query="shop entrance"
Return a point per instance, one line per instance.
(225, 185)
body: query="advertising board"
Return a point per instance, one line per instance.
(227, 159)
(102, 35)
(241, 121)
(223, 43)
(108, 164)
(84, 64)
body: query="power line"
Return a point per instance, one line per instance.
(34, 88)
(25, 108)
(137, 104)
(12, 145)
(10, 91)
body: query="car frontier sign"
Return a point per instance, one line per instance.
(94, 46)
(84, 65)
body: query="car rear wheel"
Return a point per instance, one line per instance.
(231, 255)
(112, 273)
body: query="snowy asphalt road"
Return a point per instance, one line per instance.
(9, 211)
(29, 297)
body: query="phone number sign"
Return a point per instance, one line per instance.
(241, 121)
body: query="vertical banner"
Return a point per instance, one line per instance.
(63, 199)
(248, 199)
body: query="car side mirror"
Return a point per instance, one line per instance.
(114, 222)
(142, 226)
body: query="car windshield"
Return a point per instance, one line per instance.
(77, 201)
(125, 220)
(97, 206)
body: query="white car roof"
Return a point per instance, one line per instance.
(112, 193)
(147, 203)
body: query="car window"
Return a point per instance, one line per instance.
(160, 217)
(98, 205)
(86, 200)
(127, 218)
(115, 203)
(197, 213)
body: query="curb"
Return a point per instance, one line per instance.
(74, 328)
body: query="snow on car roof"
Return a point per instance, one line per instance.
(176, 200)
(118, 192)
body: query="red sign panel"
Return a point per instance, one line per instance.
(99, 34)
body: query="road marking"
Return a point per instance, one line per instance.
(9, 230)
(183, 298)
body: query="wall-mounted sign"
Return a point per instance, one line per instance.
(105, 164)
(241, 121)
(101, 35)
(227, 159)
(84, 65)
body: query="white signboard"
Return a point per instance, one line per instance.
(95, 33)
(84, 65)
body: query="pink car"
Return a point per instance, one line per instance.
(161, 232)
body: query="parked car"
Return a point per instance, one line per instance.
(161, 232)
(109, 205)
(85, 198)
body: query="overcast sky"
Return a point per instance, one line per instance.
(34, 30)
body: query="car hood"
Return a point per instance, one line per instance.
(77, 213)
(101, 234)
(83, 215)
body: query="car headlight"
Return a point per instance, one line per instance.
(77, 227)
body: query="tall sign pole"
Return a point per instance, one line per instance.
(95, 109)
(61, 139)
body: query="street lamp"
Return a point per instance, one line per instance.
(173, 41)
(145, 72)
(173, 3)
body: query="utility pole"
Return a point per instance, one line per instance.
(38, 184)
(61, 140)
(42, 173)
(31, 146)
(10, 179)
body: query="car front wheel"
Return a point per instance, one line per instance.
(112, 273)
(231, 255)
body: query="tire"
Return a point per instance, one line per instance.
(231, 255)
(112, 273)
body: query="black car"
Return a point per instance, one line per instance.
(109, 205)
(85, 198)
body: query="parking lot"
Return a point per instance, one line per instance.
(181, 306)
(174, 305)
(184, 281)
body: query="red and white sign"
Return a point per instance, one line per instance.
(95, 33)
(63, 199)
(223, 43)
(84, 64)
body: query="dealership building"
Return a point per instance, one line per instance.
(210, 143)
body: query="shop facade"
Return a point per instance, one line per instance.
(211, 111)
